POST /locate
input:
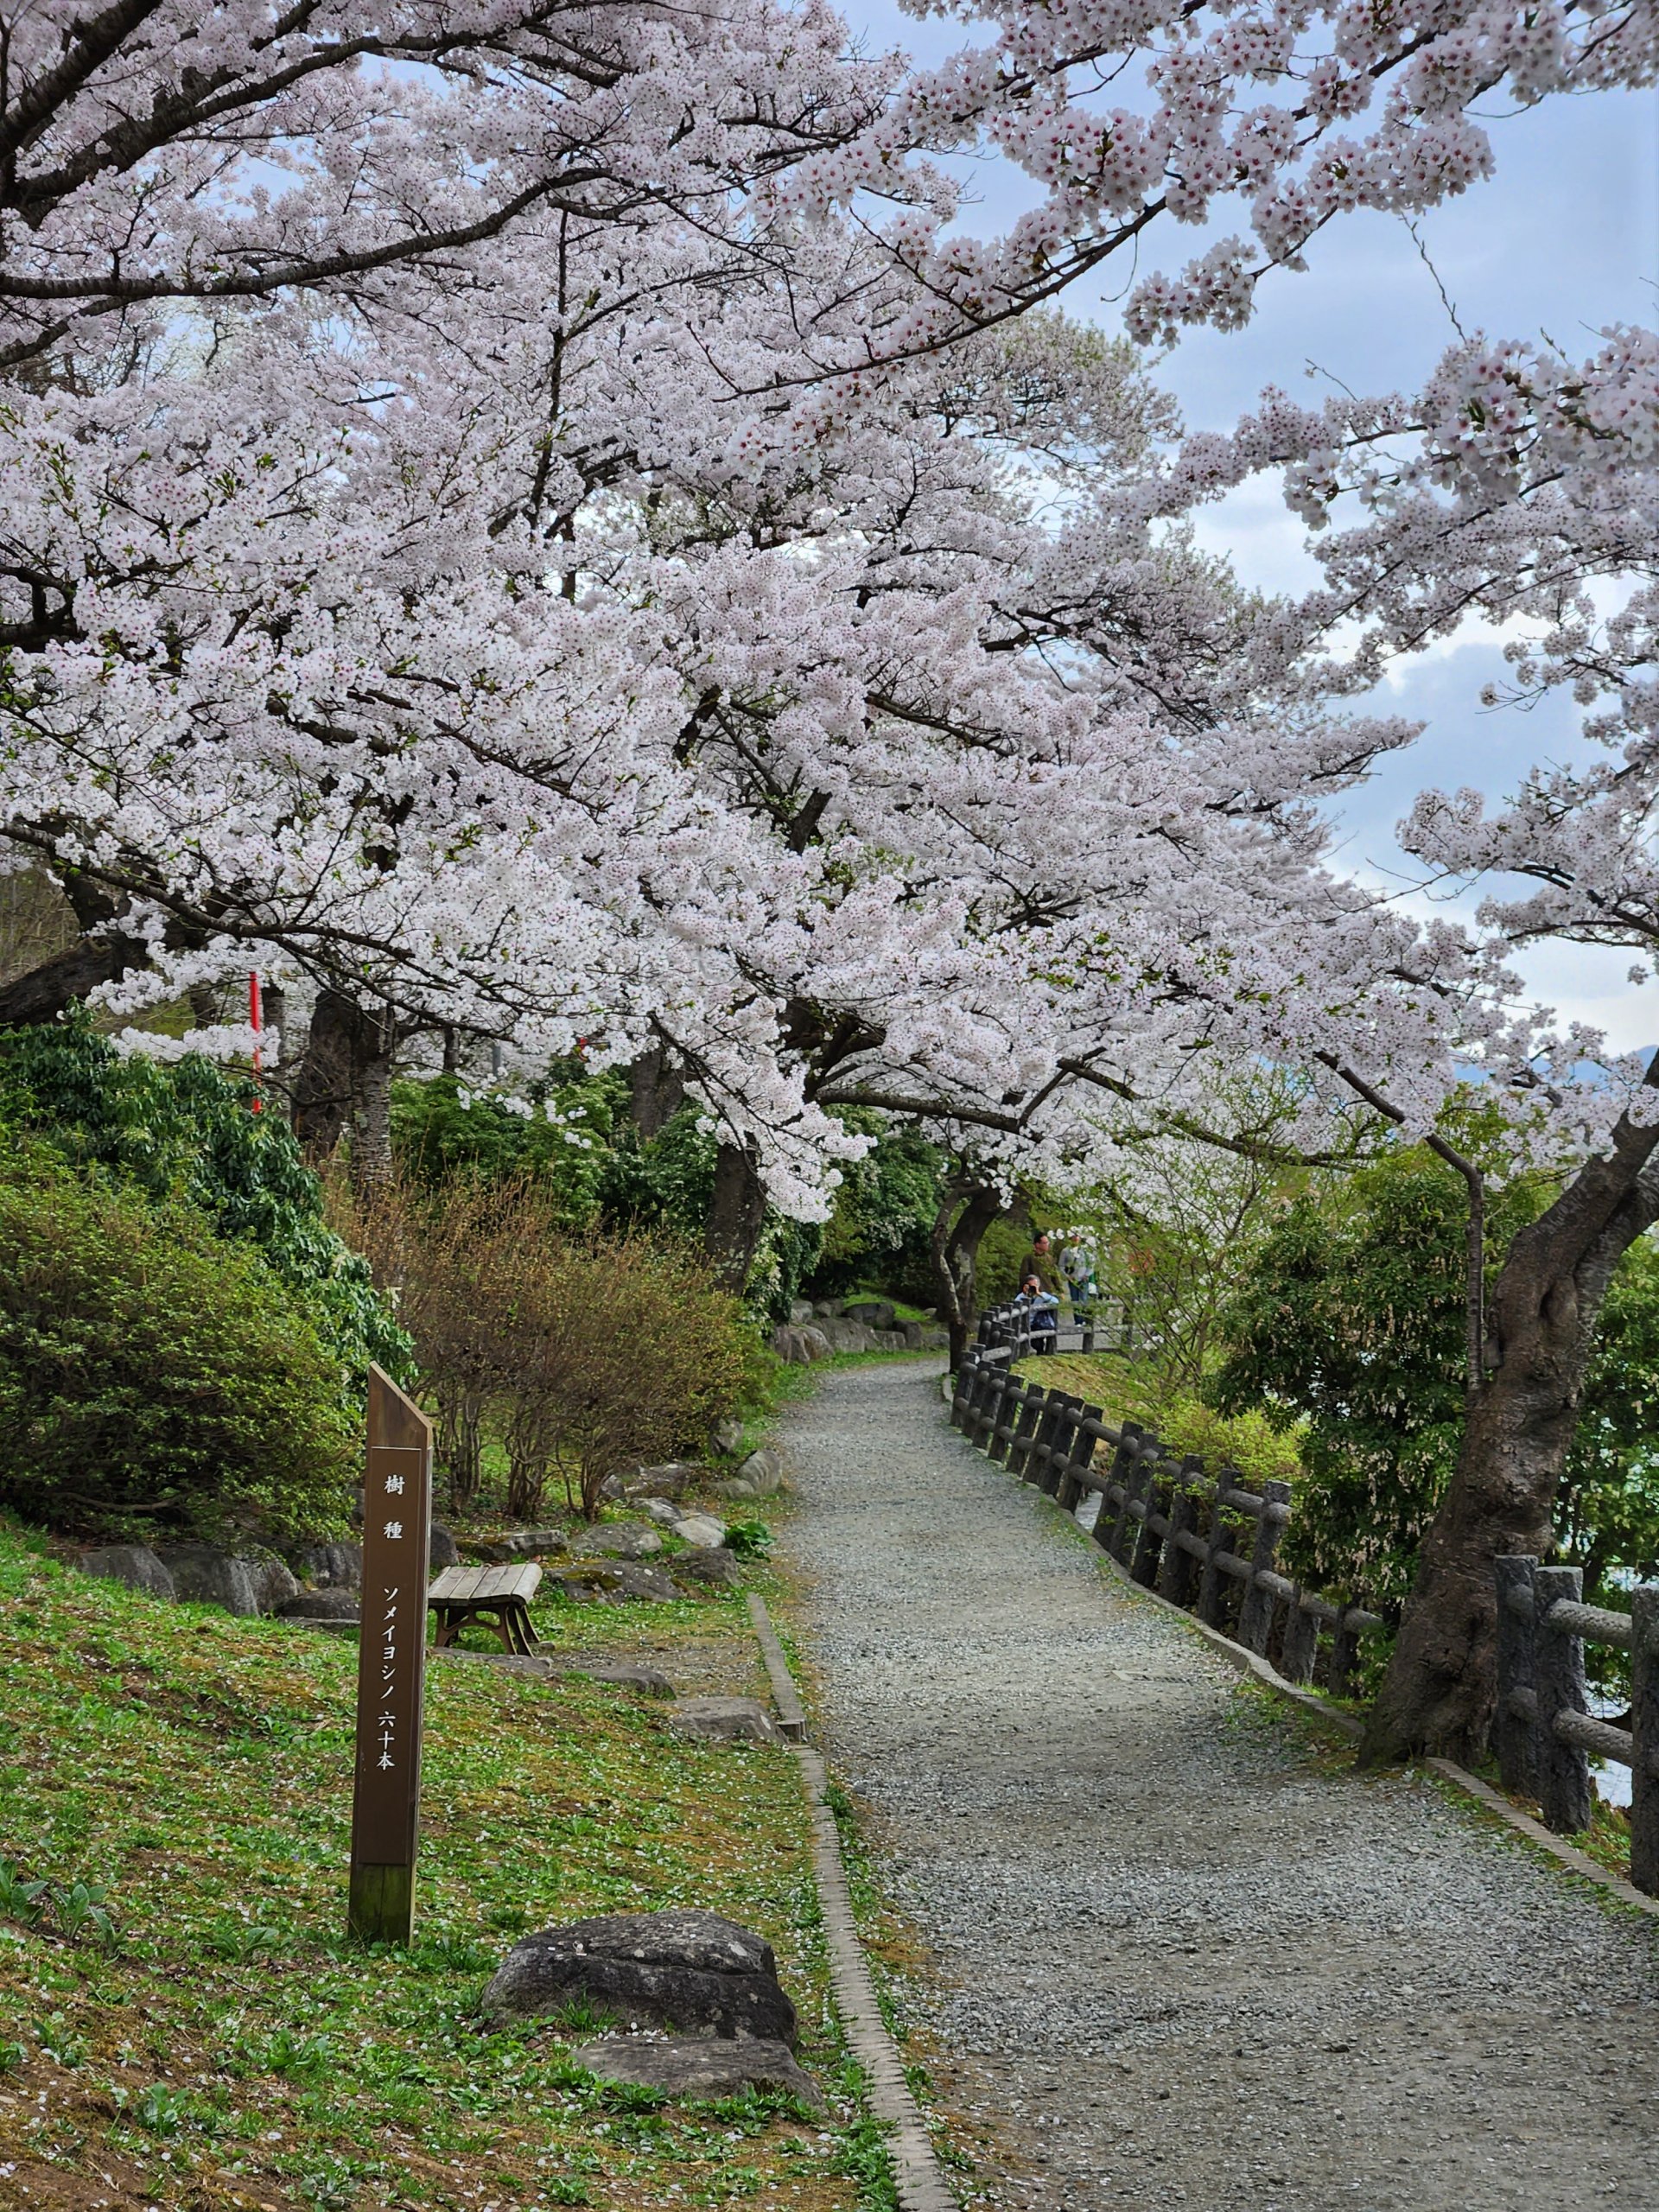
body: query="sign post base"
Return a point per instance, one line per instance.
(382, 1908)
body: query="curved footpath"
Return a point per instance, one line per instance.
(1175, 1951)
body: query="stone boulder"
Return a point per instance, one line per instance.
(673, 1480)
(205, 1574)
(701, 1530)
(612, 1582)
(700, 2066)
(321, 1605)
(133, 1564)
(726, 1437)
(629, 1674)
(327, 1566)
(715, 1568)
(662, 1510)
(681, 1970)
(763, 1471)
(273, 1582)
(739, 1719)
(444, 1550)
(619, 1540)
(873, 1312)
(841, 1335)
(801, 1346)
(800, 1310)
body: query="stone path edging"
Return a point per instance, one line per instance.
(921, 2185)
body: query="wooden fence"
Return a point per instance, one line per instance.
(1545, 1731)
(1206, 1543)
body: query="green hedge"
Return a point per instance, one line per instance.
(155, 1381)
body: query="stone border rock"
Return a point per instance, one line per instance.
(921, 2184)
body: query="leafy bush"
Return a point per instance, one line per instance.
(186, 1132)
(1352, 1319)
(1247, 1441)
(155, 1381)
(563, 1142)
(878, 1232)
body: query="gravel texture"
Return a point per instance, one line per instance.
(1176, 1951)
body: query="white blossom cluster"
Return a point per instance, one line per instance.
(509, 515)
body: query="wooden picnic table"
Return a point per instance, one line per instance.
(495, 1597)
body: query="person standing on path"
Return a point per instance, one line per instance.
(1039, 1261)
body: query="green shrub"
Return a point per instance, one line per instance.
(155, 1381)
(1247, 1440)
(186, 1132)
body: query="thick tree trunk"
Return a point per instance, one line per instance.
(344, 1080)
(966, 1211)
(656, 1092)
(50, 989)
(1440, 1692)
(736, 1214)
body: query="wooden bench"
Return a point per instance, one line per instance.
(496, 1597)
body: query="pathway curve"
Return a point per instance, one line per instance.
(1176, 1953)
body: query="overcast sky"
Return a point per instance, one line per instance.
(1563, 240)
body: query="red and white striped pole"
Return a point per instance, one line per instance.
(256, 1025)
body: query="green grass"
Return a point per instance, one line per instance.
(226, 2045)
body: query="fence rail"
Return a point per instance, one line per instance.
(1545, 1733)
(1206, 1543)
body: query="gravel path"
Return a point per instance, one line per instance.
(1175, 1954)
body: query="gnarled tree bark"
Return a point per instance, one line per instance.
(966, 1211)
(737, 1213)
(344, 1080)
(1440, 1692)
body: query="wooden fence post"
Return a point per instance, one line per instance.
(1175, 1574)
(1079, 1459)
(1344, 1653)
(1125, 1461)
(1299, 1648)
(1255, 1614)
(964, 1390)
(1221, 1541)
(1645, 1730)
(1517, 1685)
(1022, 1430)
(1038, 1451)
(1148, 1544)
(999, 1426)
(1563, 1769)
(992, 1382)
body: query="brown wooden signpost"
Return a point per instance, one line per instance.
(391, 1665)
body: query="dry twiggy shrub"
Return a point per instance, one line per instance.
(585, 1354)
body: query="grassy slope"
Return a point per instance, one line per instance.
(232, 2049)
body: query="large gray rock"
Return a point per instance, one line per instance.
(632, 1675)
(847, 1336)
(133, 1564)
(763, 1471)
(699, 2066)
(671, 1479)
(739, 1719)
(207, 1575)
(715, 1568)
(801, 1347)
(701, 1530)
(800, 1310)
(327, 1566)
(321, 1605)
(612, 1582)
(683, 1970)
(273, 1584)
(726, 1437)
(874, 1313)
(444, 1551)
(619, 1540)
(662, 1510)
